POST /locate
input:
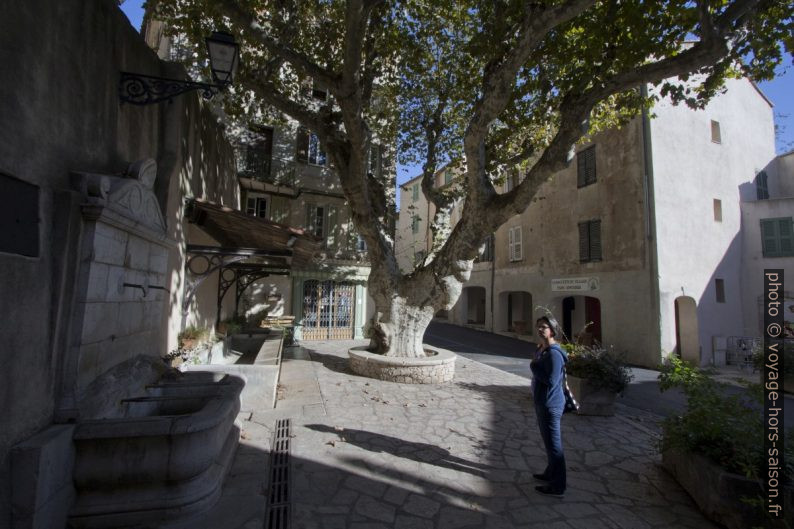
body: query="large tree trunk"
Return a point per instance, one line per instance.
(405, 306)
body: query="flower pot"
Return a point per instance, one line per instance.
(592, 400)
(718, 493)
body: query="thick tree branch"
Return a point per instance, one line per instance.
(538, 20)
(322, 124)
(254, 29)
(480, 219)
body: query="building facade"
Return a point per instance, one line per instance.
(285, 177)
(638, 244)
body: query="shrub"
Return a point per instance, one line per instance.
(601, 367)
(727, 429)
(759, 359)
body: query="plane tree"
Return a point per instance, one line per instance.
(491, 85)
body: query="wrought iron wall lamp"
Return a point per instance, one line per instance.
(224, 54)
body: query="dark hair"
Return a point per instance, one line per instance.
(553, 325)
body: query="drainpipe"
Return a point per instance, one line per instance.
(650, 224)
(493, 272)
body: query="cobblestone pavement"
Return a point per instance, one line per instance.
(372, 454)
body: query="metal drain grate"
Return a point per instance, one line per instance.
(277, 515)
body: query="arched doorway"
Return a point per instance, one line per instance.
(581, 319)
(515, 314)
(687, 343)
(474, 298)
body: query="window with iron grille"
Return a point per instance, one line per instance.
(586, 167)
(589, 241)
(761, 186)
(777, 237)
(514, 244)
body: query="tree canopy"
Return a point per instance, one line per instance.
(489, 84)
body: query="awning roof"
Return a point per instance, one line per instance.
(235, 230)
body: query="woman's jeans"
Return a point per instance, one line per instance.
(549, 424)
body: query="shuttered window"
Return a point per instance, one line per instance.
(415, 224)
(761, 186)
(716, 135)
(777, 237)
(586, 167)
(590, 241)
(514, 243)
(719, 287)
(415, 191)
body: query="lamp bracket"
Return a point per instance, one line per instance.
(141, 89)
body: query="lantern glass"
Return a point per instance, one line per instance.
(224, 56)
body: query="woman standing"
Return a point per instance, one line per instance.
(547, 379)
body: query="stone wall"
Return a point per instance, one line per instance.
(62, 113)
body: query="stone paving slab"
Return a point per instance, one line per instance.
(368, 454)
(462, 454)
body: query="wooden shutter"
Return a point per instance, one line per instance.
(332, 241)
(517, 244)
(585, 167)
(594, 229)
(761, 186)
(785, 237)
(279, 209)
(302, 145)
(769, 237)
(584, 242)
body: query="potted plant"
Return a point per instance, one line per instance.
(715, 449)
(595, 377)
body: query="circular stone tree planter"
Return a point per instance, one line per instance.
(437, 367)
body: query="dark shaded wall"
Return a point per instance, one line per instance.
(60, 112)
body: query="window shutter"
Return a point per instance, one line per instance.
(761, 186)
(595, 240)
(785, 236)
(278, 209)
(519, 250)
(510, 245)
(332, 241)
(302, 145)
(310, 218)
(584, 244)
(586, 167)
(250, 206)
(769, 237)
